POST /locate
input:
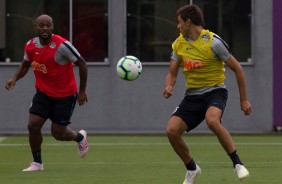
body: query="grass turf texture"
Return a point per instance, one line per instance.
(140, 160)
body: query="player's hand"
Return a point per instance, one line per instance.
(10, 84)
(246, 107)
(168, 91)
(82, 98)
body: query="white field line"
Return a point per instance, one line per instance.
(2, 138)
(263, 163)
(146, 144)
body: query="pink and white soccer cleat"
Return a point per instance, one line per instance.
(34, 166)
(83, 145)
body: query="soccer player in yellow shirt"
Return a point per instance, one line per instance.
(203, 55)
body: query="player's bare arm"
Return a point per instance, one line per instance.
(234, 65)
(22, 70)
(82, 95)
(171, 78)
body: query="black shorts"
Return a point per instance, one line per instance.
(193, 108)
(59, 110)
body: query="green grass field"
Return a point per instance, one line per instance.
(135, 159)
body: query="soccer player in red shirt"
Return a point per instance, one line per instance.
(52, 59)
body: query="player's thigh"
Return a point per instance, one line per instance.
(63, 109)
(40, 106)
(217, 102)
(57, 129)
(36, 121)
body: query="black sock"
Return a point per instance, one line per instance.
(79, 137)
(191, 165)
(235, 158)
(37, 157)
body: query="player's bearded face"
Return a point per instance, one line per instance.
(44, 30)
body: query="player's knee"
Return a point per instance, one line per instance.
(33, 127)
(172, 132)
(175, 128)
(213, 124)
(58, 135)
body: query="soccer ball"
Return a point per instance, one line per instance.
(129, 68)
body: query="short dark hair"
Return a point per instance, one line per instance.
(193, 12)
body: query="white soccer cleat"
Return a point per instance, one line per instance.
(34, 166)
(83, 145)
(241, 171)
(192, 175)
